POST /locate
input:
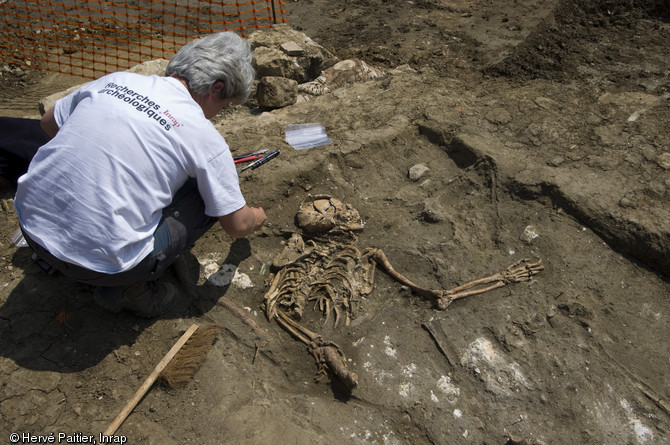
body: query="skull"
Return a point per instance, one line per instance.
(321, 214)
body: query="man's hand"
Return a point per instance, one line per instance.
(261, 217)
(243, 221)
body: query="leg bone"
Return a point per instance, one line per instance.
(518, 272)
(329, 357)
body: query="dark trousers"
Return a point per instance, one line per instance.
(183, 221)
(19, 141)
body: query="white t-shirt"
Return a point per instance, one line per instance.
(94, 195)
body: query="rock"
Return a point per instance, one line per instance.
(278, 52)
(292, 49)
(341, 74)
(663, 160)
(276, 92)
(649, 153)
(626, 202)
(547, 103)
(433, 212)
(417, 172)
(556, 161)
(302, 66)
(229, 274)
(498, 116)
(272, 62)
(629, 99)
(49, 101)
(529, 235)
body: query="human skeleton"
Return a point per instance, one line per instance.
(331, 271)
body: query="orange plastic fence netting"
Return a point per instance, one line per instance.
(93, 38)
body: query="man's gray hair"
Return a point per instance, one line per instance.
(221, 56)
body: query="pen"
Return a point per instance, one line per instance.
(260, 161)
(253, 153)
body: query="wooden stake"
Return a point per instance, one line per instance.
(149, 381)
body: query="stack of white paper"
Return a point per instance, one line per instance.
(304, 136)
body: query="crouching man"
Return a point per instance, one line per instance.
(135, 173)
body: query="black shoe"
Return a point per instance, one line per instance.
(148, 299)
(46, 267)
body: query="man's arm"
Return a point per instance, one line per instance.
(243, 221)
(48, 123)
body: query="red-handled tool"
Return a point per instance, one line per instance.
(248, 158)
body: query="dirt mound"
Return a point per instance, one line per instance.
(577, 34)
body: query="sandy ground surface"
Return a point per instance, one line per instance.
(543, 127)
